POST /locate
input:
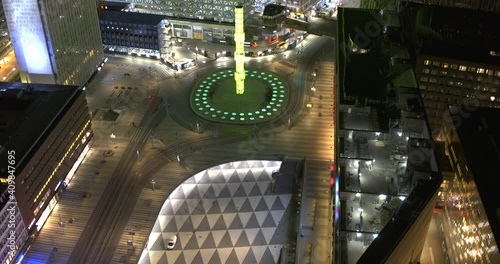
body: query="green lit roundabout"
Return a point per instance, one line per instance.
(265, 98)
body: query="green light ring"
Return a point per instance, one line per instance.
(275, 92)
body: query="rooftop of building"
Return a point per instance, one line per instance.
(132, 17)
(27, 113)
(457, 33)
(116, 6)
(479, 134)
(273, 9)
(364, 71)
(379, 139)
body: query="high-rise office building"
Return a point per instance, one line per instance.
(55, 42)
(44, 133)
(456, 53)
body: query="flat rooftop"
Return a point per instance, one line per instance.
(132, 17)
(362, 75)
(273, 9)
(116, 6)
(27, 113)
(479, 134)
(457, 33)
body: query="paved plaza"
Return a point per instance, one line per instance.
(226, 214)
(308, 134)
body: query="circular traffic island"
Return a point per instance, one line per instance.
(214, 97)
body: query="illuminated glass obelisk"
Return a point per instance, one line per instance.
(239, 52)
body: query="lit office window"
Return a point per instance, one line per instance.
(424, 79)
(444, 73)
(427, 62)
(426, 70)
(472, 69)
(480, 70)
(436, 63)
(463, 68)
(446, 65)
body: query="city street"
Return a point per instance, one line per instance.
(156, 140)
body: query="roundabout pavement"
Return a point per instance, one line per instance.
(214, 99)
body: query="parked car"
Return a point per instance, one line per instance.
(254, 45)
(171, 242)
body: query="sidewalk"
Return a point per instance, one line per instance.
(315, 234)
(78, 201)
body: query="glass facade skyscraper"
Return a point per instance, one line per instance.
(55, 41)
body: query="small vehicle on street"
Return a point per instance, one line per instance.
(171, 242)
(282, 45)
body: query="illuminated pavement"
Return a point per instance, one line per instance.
(310, 136)
(225, 214)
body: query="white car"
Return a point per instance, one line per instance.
(171, 242)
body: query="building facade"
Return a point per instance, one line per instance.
(132, 32)
(445, 81)
(48, 127)
(470, 224)
(154, 35)
(13, 233)
(55, 42)
(456, 57)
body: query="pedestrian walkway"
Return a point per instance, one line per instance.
(76, 204)
(314, 240)
(179, 152)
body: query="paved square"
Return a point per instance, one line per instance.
(225, 214)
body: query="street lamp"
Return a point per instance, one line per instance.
(153, 184)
